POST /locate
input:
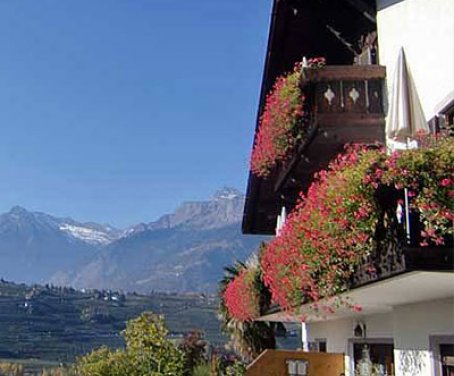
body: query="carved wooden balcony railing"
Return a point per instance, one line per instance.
(347, 90)
(395, 253)
(345, 105)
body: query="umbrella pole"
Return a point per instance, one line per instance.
(407, 215)
(407, 206)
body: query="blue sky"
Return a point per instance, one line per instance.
(118, 110)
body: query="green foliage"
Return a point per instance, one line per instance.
(202, 369)
(227, 365)
(236, 369)
(148, 353)
(104, 362)
(92, 319)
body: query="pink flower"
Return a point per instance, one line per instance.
(446, 182)
(241, 298)
(334, 223)
(283, 112)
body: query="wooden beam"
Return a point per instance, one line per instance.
(359, 120)
(345, 73)
(365, 9)
(283, 176)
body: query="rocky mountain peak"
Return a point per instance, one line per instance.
(18, 215)
(18, 211)
(223, 208)
(228, 193)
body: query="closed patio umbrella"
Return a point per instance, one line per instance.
(405, 119)
(405, 116)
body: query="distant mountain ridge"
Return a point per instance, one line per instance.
(224, 208)
(33, 246)
(183, 251)
(90, 232)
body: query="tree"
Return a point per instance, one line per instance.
(148, 352)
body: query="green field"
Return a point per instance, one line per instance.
(57, 324)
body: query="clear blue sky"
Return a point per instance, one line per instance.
(118, 110)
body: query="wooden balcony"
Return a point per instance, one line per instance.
(344, 105)
(398, 251)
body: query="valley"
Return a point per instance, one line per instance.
(57, 324)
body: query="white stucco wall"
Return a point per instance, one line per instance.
(425, 29)
(339, 332)
(414, 325)
(411, 326)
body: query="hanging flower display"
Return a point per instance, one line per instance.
(282, 122)
(333, 226)
(428, 175)
(241, 296)
(325, 236)
(283, 110)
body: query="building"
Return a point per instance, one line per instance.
(407, 320)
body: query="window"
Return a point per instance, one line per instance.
(318, 345)
(297, 367)
(374, 356)
(447, 359)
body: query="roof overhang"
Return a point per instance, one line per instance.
(299, 28)
(381, 296)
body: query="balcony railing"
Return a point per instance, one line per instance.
(347, 89)
(396, 252)
(345, 105)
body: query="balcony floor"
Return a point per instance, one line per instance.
(381, 296)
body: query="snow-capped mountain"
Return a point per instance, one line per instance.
(89, 232)
(35, 246)
(181, 251)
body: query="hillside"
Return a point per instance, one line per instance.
(60, 323)
(176, 259)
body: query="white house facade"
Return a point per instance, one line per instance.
(406, 324)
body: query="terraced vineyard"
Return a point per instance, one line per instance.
(57, 324)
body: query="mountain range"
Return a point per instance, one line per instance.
(180, 252)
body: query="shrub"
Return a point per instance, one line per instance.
(148, 352)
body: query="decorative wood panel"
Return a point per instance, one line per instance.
(374, 92)
(355, 96)
(274, 363)
(349, 96)
(328, 97)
